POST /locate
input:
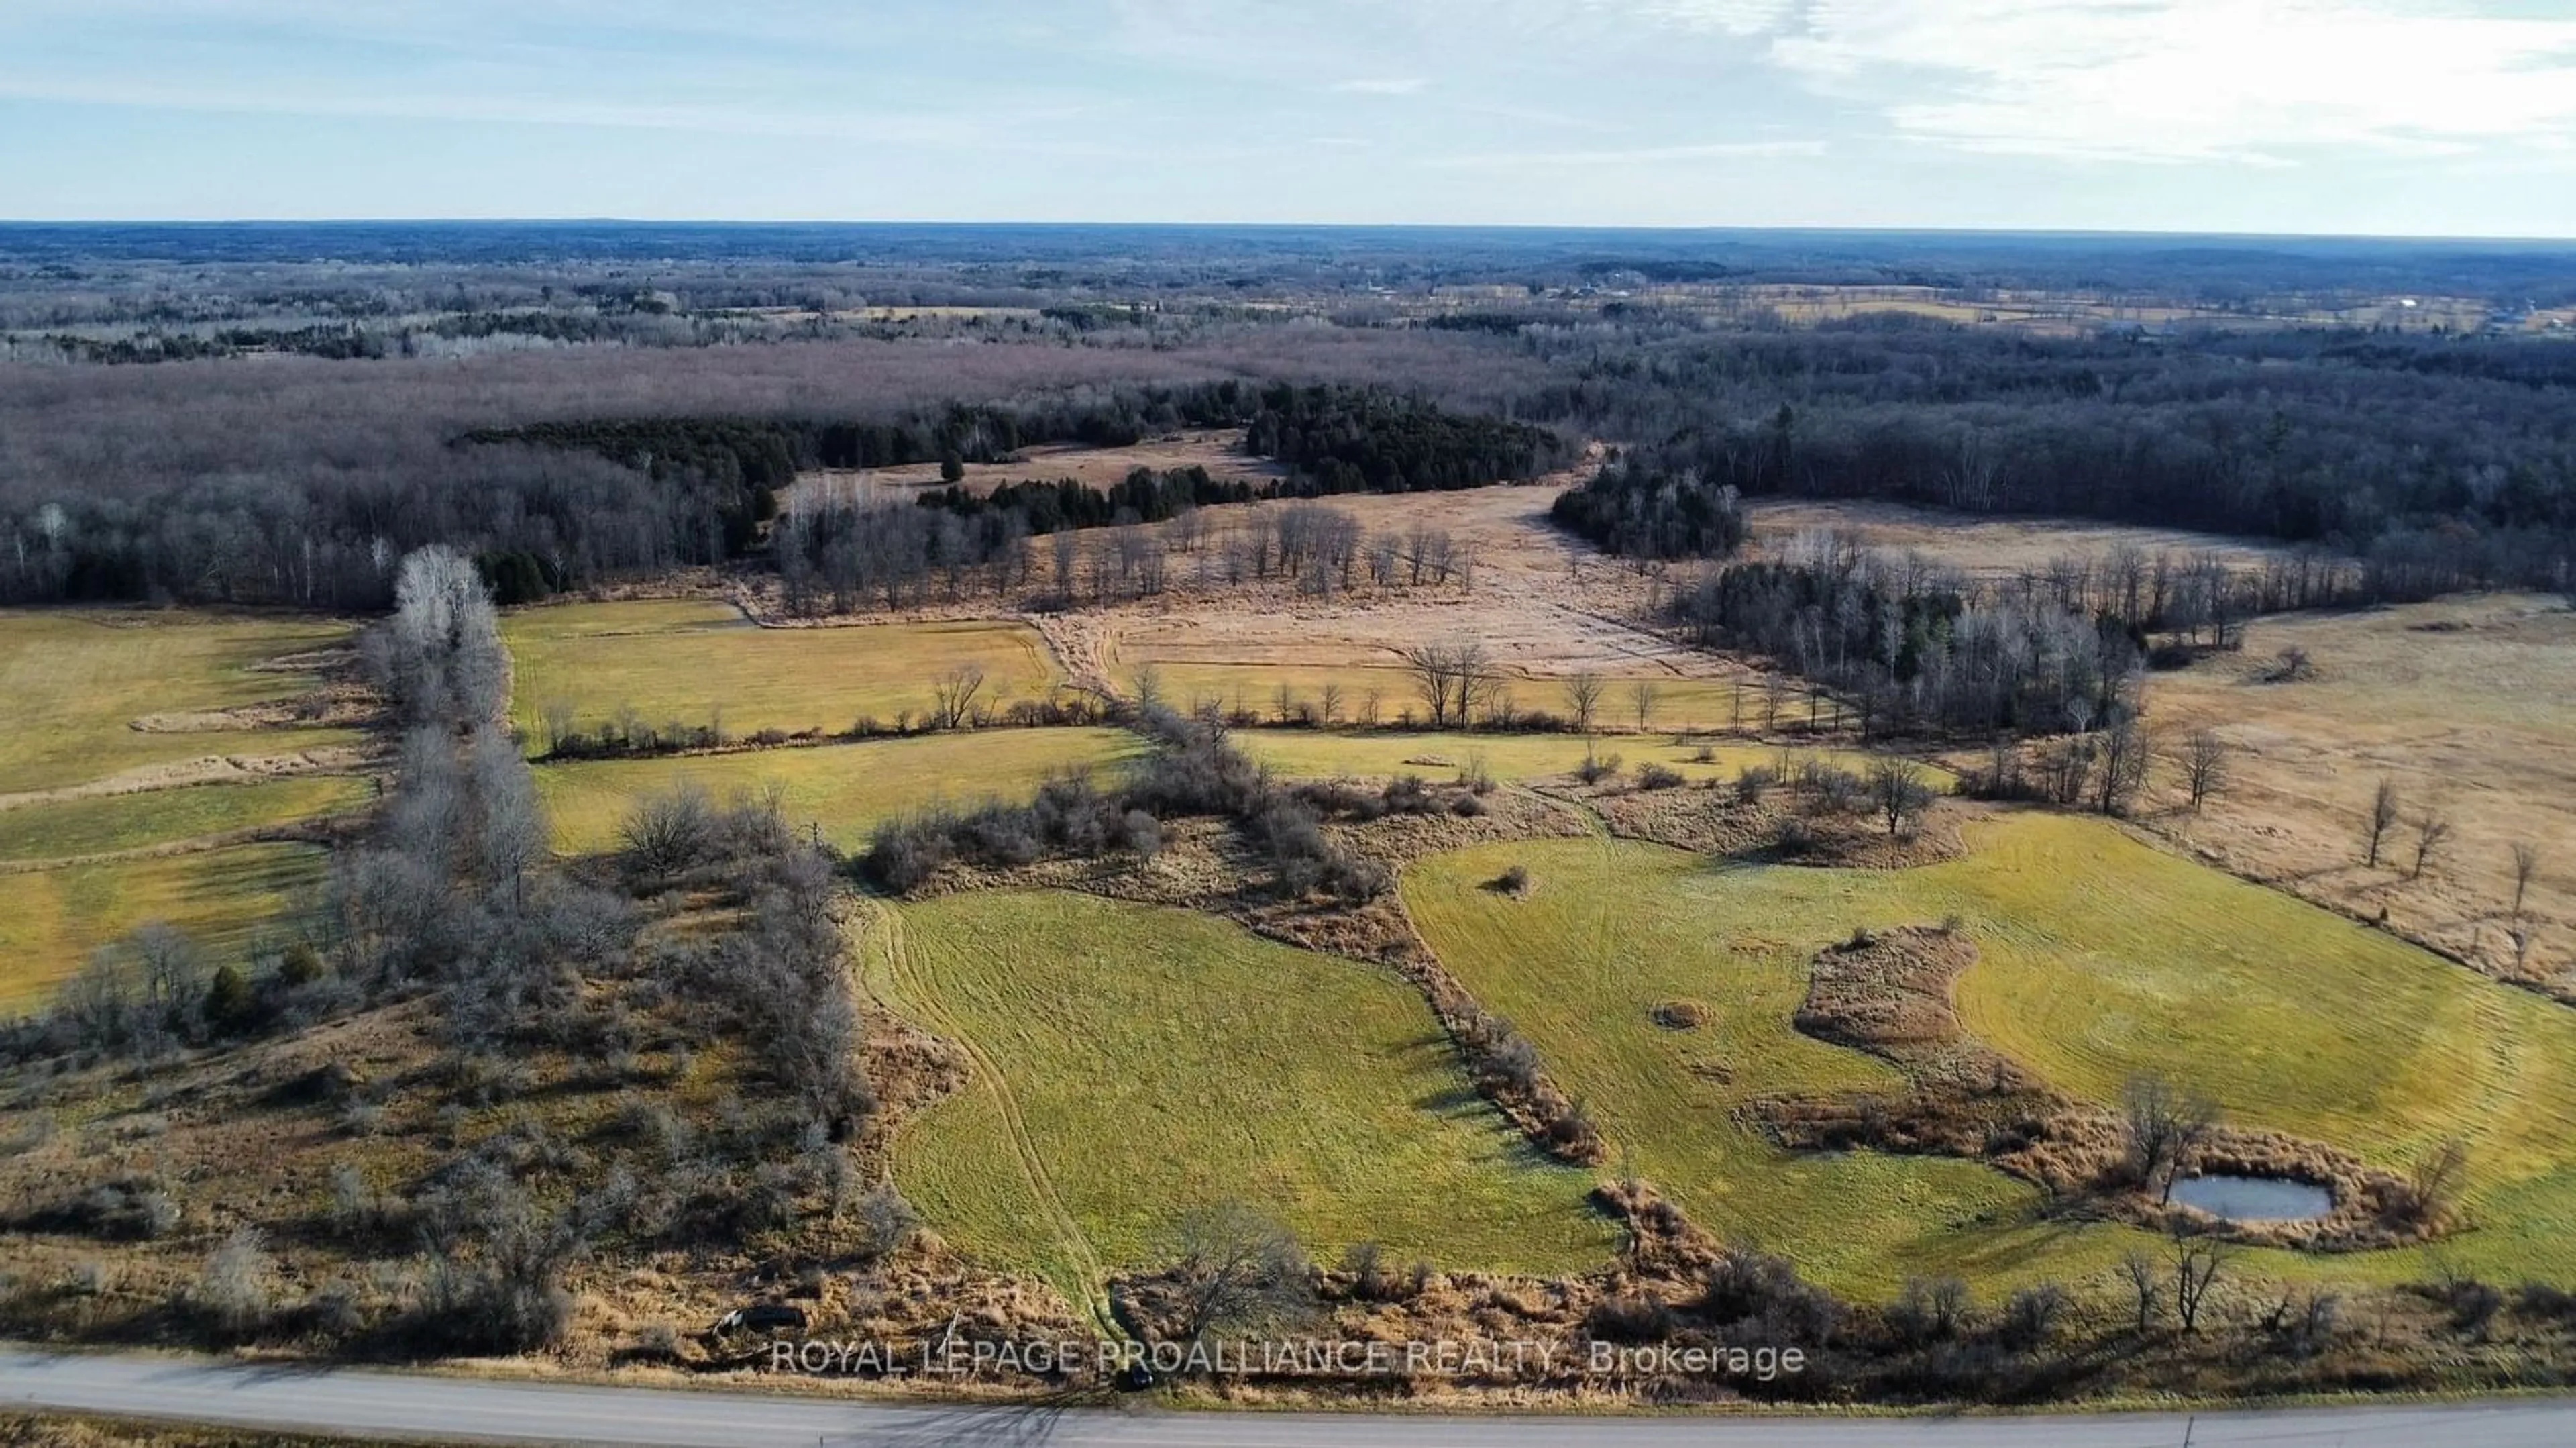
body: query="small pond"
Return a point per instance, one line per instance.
(2254, 1199)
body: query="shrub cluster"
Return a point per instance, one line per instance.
(1191, 772)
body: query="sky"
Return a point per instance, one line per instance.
(2400, 117)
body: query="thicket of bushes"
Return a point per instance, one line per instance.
(1190, 772)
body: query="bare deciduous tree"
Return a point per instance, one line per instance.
(953, 697)
(2165, 1128)
(2146, 1282)
(1898, 792)
(2384, 808)
(2432, 832)
(2124, 752)
(2198, 1260)
(1583, 699)
(1234, 1269)
(2204, 766)
(1643, 695)
(1452, 678)
(2526, 868)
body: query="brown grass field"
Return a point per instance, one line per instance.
(1982, 546)
(2464, 703)
(1219, 450)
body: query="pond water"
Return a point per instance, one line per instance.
(2254, 1199)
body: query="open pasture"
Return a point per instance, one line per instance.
(2463, 704)
(52, 919)
(105, 824)
(840, 791)
(2100, 958)
(78, 679)
(1130, 1063)
(697, 661)
(1984, 546)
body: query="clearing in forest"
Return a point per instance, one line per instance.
(697, 662)
(1130, 1063)
(2100, 958)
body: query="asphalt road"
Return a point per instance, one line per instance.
(397, 1404)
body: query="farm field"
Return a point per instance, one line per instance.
(1130, 1062)
(78, 679)
(52, 919)
(2101, 957)
(693, 661)
(2463, 703)
(843, 789)
(1980, 545)
(102, 824)
(1678, 704)
(1327, 754)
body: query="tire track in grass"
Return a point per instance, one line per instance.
(919, 1000)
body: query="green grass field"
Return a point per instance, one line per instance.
(695, 661)
(844, 788)
(2101, 957)
(108, 823)
(1325, 754)
(51, 920)
(1132, 1062)
(76, 680)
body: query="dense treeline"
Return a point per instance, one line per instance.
(1641, 511)
(303, 482)
(2415, 454)
(1915, 651)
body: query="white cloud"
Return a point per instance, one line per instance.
(2246, 80)
(1394, 86)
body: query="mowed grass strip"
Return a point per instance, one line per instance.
(2100, 958)
(104, 824)
(1135, 1062)
(77, 679)
(51, 920)
(697, 661)
(843, 789)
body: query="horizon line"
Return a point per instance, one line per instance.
(249, 222)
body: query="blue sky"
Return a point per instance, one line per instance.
(2387, 116)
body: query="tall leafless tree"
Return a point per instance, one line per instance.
(2432, 832)
(1583, 699)
(2385, 807)
(2526, 868)
(2204, 766)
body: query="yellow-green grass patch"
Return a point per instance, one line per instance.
(77, 679)
(1134, 1062)
(2100, 958)
(103, 824)
(697, 662)
(845, 789)
(52, 920)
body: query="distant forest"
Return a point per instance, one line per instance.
(601, 414)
